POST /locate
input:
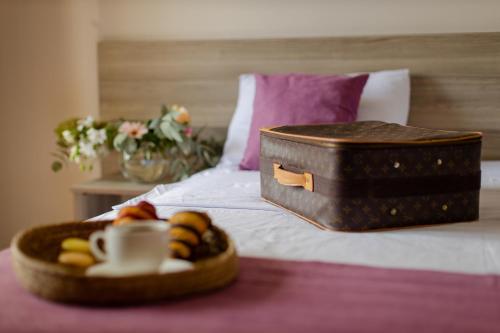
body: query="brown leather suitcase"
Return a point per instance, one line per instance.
(366, 175)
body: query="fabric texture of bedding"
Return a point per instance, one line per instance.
(300, 99)
(232, 198)
(490, 177)
(385, 97)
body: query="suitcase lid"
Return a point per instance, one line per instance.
(368, 132)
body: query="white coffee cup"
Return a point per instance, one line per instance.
(140, 246)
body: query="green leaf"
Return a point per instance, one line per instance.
(154, 123)
(69, 124)
(119, 141)
(185, 147)
(170, 131)
(56, 166)
(130, 146)
(164, 110)
(166, 129)
(206, 155)
(159, 132)
(111, 133)
(170, 118)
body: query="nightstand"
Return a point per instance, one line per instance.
(95, 197)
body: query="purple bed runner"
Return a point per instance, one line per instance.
(281, 296)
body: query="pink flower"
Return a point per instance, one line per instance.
(188, 131)
(134, 130)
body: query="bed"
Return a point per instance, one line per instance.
(232, 198)
(454, 85)
(295, 277)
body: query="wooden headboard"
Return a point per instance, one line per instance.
(455, 80)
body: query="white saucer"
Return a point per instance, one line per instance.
(175, 265)
(169, 265)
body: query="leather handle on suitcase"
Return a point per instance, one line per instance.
(289, 178)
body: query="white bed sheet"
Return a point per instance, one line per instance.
(232, 198)
(490, 177)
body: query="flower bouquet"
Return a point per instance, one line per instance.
(150, 149)
(82, 141)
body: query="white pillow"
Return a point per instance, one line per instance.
(239, 128)
(386, 97)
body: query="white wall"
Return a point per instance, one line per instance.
(48, 72)
(214, 19)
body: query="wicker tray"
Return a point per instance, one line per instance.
(34, 254)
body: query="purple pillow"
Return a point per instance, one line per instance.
(300, 99)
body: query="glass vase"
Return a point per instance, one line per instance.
(145, 166)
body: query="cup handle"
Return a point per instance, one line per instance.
(94, 246)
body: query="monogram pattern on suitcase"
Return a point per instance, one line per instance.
(382, 207)
(371, 131)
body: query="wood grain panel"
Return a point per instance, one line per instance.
(455, 77)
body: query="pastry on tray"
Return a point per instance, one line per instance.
(191, 236)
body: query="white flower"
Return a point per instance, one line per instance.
(87, 149)
(74, 154)
(68, 137)
(85, 122)
(96, 137)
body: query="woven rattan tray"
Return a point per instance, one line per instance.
(34, 254)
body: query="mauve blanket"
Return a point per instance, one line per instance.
(281, 296)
